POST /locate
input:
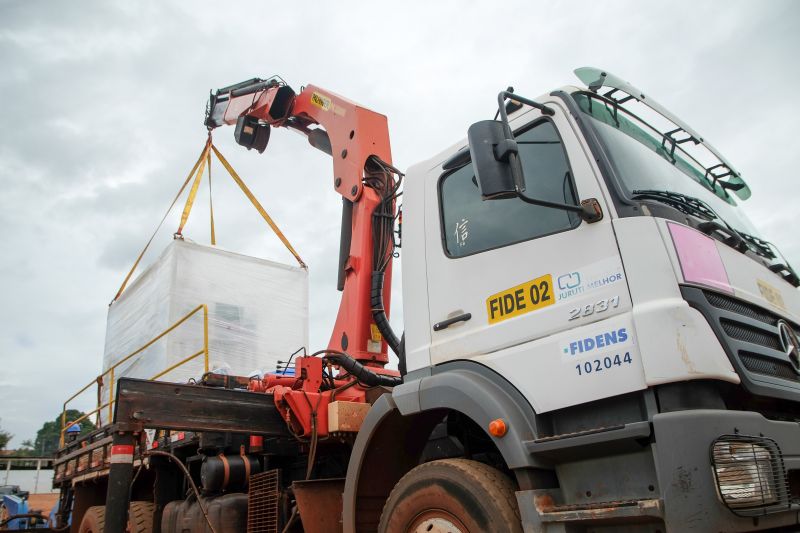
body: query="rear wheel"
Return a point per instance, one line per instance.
(94, 521)
(140, 517)
(452, 496)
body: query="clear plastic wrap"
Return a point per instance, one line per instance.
(257, 314)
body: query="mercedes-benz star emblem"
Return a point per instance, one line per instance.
(790, 343)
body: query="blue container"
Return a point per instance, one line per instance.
(289, 372)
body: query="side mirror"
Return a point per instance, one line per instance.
(489, 150)
(497, 165)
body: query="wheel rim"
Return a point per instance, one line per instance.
(437, 521)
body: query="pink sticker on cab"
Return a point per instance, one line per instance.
(699, 258)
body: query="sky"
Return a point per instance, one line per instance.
(103, 103)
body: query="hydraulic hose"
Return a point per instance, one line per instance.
(24, 515)
(362, 373)
(376, 302)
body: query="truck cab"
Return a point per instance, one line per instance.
(654, 351)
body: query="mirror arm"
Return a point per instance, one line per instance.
(554, 205)
(589, 210)
(504, 150)
(509, 151)
(501, 102)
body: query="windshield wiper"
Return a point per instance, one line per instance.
(781, 266)
(698, 208)
(734, 238)
(759, 246)
(683, 203)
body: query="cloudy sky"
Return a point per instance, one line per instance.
(103, 106)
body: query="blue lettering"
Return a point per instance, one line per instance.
(602, 340)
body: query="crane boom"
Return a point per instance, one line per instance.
(357, 139)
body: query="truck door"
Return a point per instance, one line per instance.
(532, 292)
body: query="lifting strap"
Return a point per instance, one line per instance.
(203, 156)
(187, 208)
(197, 172)
(258, 206)
(211, 204)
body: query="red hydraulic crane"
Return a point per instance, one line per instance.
(358, 141)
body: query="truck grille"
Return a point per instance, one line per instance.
(751, 339)
(768, 367)
(740, 308)
(750, 334)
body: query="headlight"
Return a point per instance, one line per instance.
(749, 471)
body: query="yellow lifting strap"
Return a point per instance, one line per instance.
(187, 208)
(258, 206)
(211, 204)
(203, 155)
(197, 172)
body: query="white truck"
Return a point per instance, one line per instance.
(596, 339)
(650, 359)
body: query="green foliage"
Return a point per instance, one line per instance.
(26, 449)
(47, 438)
(5, 436)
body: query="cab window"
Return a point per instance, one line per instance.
(471, 225)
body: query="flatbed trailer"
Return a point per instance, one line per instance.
(156, 425)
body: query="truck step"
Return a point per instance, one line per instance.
(617, 511)
(583, 444)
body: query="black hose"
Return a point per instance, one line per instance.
(378, 313)
(24, 515)
(362, 373)
(291, 520)
(192, 484)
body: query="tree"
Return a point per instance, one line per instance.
(47, 438)
(26, 449)
(5, 436)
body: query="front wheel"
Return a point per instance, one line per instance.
(452, 496)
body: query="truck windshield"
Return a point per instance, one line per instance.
(643, 164)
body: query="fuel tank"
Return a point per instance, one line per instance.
(227, 513)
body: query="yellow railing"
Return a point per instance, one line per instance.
(99, 379)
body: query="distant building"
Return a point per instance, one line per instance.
(32, 474)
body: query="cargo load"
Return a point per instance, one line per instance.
(257, 315)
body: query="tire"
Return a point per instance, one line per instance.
(94, 520)
(452, 496)
(140, 517)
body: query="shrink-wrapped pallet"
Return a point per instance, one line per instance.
(257, 315)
